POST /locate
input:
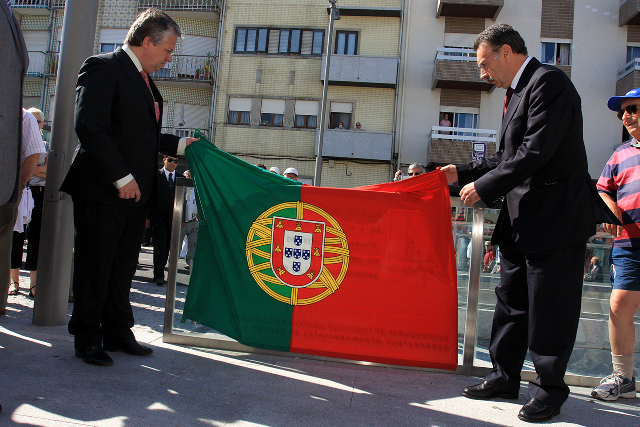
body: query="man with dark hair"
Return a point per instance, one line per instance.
(548, 214)
(112, 179)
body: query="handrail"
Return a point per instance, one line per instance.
(633, 65)
(455, 133)
(456, 54)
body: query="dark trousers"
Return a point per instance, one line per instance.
(33, 243)
(538, 307)
(104, 268)
(8, 213)
(161, 240)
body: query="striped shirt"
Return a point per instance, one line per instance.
(620, 179)
(31, 138)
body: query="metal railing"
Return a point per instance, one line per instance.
(43, 4)
(183, 132)
(471, 227)
(466, 54)
(463, 134)
(184, 5)
(189, 68)
(633, 65)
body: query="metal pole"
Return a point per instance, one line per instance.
(56, 238)
(317, 180)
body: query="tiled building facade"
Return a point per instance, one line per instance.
(397, 67)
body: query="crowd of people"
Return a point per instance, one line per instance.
(540, 259)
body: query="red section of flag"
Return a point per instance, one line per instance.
(397, 303)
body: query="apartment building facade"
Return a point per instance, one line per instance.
(251, 73)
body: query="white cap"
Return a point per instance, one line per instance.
(291, 170)
(275, 169)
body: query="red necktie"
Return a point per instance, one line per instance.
(145, 76)
(506, 100)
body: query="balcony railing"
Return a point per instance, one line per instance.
(183, 132)
(628, 77)
(463, 134)
(181, 5)
(357, 144)
(381, 71)
(631, 66)
(42, 64)
(187, 68)
(456, 68)
(30, 3)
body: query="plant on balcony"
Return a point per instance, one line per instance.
(52, 63)
(208, 66)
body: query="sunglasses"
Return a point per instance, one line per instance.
(630, 109)
(172, 160)
(414, 173)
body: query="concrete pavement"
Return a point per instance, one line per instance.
(44, 384)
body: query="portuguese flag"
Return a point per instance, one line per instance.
(363, 274)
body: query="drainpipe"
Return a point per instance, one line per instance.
(402, 77)
(214, 95)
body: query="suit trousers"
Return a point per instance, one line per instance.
(104, 269)
(538, 307)
(161, 244)
(8, 213)
(32, 234)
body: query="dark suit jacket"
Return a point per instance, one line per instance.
(119, 135)
(162, 208)
(13, 68)
(540, 166)
(595, 275)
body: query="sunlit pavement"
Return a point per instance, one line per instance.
(42, 383)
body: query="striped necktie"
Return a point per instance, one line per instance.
(145, 76)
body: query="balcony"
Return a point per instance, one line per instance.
(457, 68)
(31, 7)
(354, 144)
(207, 10)
(456, 145)
(42, 64)
(628, 77)
(629, 13)
(357, 70)
(189, 69)
(183, 132)
(470, 8)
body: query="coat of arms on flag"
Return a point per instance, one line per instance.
(294, 260)
(297, 250)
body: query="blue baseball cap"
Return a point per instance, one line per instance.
(615, 102)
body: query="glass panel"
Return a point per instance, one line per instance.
(266, 119)
(107, 47)
(307, 42)
(284, 41)
(564, 54)
(274, 38)
(340, 43)
(233, 117)
(312, 122)
(548, 53)
(352, 44)
(251, 39)
(244, 118)
(241, 39)
(278, 119)
(632, 53)
(317, 42)
(295, 41)
(262, 40)
(299, 121)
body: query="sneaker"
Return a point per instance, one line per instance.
(615, 386)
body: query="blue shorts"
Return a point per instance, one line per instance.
(625, 269)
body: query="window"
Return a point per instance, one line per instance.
(272, 112)
(239, 111)
(279, 41)
(109, 47)
(633, 52)
(465, 120)
(110, 38)
(555, 53)
(341, 113)
(346, 42)
(306, 114)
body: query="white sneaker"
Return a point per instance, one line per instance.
(615, 386)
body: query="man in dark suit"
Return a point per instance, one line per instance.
(547, 216)
(13, 68)
(111, 181)
(595, 271)
(161, 215)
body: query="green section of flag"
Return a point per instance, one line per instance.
(231, 194)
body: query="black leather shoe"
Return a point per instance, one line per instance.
(94, 355)
(160, 282)
(535, 411)
(484, 391)
(130, 347)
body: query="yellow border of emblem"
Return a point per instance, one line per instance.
(336, 251)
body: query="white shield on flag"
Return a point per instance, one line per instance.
(297, 250)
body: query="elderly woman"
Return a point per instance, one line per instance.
(36, 185)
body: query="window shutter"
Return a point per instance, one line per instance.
(341, 107)
(113, 35)
(273, 106)
(274, 41)
(307, 108)
(307, 42)
(239, 104)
